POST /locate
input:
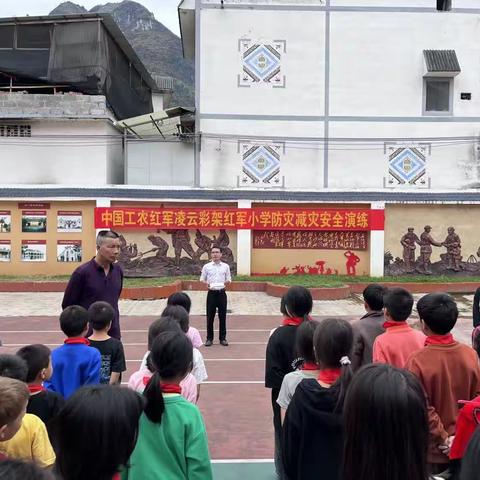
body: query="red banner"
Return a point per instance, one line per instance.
(33, 205)
(239, 218)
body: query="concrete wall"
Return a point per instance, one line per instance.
(69, 105)
(160, 163)
(354, 73)
(62, 152)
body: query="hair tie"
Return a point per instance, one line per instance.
(345, 361)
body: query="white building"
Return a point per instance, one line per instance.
(318, 94)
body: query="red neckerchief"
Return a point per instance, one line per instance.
(170, 388)
(116, 477)
(310, 366)
(35, 388)
(440, 340)
(390, 324)
(165, 387)
(76, 340)
(329, 375)
(295, 321)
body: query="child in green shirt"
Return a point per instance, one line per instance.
(172, 441)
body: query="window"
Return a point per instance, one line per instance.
(444, 5)
(7, 33)
(15, 131)
(437, 93)
(33, 36)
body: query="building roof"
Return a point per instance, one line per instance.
(135, 193)
(162, 124)
(438, 61)
(108, 22)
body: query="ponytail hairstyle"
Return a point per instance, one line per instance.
(304, 341)
(298, 302)
(333, 342)
(172, 357)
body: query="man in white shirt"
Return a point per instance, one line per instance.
(216, 274)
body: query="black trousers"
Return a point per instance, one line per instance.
(217, 299)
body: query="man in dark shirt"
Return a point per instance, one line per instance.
(98, 279)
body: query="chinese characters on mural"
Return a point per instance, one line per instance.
(315, 240)
(451, 259)
(304, 239)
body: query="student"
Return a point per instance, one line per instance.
(31, 441)
(295, 306)
(400, 340)
(448, 370)
(42, 403)
(75, 363)
(96, 431)
(312, 430)
(183, 300)
(308, 369)
(13, 405)
(172, 441)
(181, 315)
(369, 327)
(140, 378)
(100, 318)
(471, 460)
(18, 470)
(385, 425)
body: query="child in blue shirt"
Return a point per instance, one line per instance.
(75, 363)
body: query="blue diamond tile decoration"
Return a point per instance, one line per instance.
(261, 63)
(260, 163)
(407, 165)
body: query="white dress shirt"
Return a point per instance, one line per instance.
(216, 275)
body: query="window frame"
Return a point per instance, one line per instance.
(433, 113)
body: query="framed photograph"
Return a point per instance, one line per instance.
(5, 251)
(69, 221)
(34, 250)
(69, 251)
(34, 221)
(5, 221)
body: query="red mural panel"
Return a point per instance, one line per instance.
(315, 240)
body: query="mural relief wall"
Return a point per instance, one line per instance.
(302, 252)
(151, 253)
(426, 240)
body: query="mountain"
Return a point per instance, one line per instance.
(158, 48)
(68, 8)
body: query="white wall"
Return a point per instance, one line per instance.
(375, 70)
(160, 163)
(63, 156)
(302, 65)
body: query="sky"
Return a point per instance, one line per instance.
(165, 11)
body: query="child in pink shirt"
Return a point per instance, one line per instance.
(400, 339)
(139, 379)
(183, 300)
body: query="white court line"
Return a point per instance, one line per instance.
(233, 382)
(139, 331)
(142, 344)
(246, 460)
(220, 360)
(229, 382)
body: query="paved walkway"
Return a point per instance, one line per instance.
(240, 303)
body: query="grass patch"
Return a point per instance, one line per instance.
(310, 281)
